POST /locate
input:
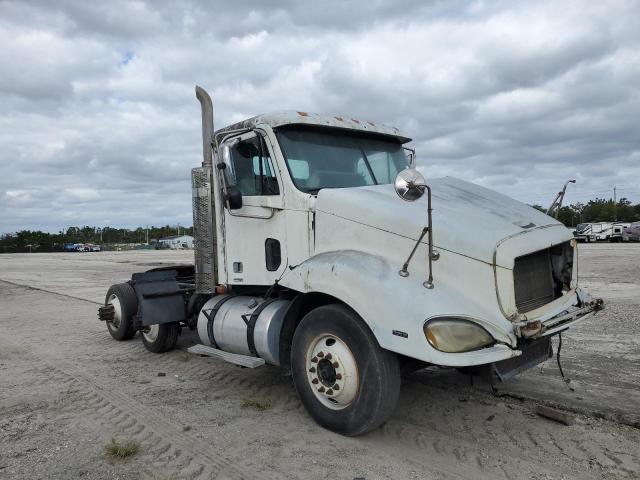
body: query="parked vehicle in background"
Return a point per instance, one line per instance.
(631, 232)
(87, 247)
(594, 232)
(617, 230)
(320, 249)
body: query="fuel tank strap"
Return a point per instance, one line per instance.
(211, 316)
(251, 324)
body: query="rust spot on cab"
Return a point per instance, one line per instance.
(303, 114)
(339, 119)
(355, 121)
(372, 124)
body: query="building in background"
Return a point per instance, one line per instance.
(183, 241)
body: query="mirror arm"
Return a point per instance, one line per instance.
(404, 272)
(429, 283)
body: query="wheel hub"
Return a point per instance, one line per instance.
(326, 373)
(332, 372)
(151, 333)
(116, 318)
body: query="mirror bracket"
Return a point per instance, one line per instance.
(410, 185)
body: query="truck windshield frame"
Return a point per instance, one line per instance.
(321, 157)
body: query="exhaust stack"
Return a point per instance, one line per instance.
(204, 212)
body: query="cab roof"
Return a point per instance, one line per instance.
(277, 119)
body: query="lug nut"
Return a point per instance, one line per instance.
(338, 376)
(328, 357)
(312, 369)
(320, 354)
(335, 364)
(336, 387)
(321, 389)
(314, 359)
(329, 392)
(314, 381)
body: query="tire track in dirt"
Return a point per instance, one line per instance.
(107, 404)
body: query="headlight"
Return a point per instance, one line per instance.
(454, 335)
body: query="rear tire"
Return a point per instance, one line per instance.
(332, 347)
(161, 338)
(125, 303)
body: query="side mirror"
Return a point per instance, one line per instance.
(234, 197)
(410, 185)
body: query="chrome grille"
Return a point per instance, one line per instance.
(533, 280)
(204, 241)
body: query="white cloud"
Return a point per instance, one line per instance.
(99, 119)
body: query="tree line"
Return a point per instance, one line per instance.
(598, 210)
(38, 241)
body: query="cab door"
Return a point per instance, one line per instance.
(255, 239)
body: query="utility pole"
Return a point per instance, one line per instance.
(615, 203)
(147, 234)
(178, 229)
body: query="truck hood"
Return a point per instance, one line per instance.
(467, 219)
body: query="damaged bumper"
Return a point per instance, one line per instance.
(531, 329)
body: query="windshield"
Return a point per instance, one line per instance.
(325, 158)
(581, 227)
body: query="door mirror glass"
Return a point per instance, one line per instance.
(234, 197)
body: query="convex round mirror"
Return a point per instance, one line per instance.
(410, 185)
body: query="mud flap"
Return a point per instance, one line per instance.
(160, 300)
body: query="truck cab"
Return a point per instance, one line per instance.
(319, 248)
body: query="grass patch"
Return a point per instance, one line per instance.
(259, 405)
(118, 449)
(184, 356)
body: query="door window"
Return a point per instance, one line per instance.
(252, 168)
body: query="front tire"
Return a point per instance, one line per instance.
(125, 306)
(346, 381)
(160, 338)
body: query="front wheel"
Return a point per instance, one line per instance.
(347, 383)
(160, 338)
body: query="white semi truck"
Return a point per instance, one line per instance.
(320, 249)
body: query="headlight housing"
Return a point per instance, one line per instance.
(455, 335)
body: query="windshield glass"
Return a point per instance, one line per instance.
(325, 158)
(581, 227)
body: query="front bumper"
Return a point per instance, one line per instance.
(531, 329)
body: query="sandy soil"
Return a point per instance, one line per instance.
(66, 388)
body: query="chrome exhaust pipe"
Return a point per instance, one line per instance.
(206, 105)
(204, 208)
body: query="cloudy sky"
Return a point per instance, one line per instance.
(99, 124)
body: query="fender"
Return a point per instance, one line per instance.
(340, 274)
(363, 282)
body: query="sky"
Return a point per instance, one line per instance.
(99, 124)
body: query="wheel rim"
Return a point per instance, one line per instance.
(332, 372)
(117, 312)
(150, 334)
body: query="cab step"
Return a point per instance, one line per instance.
(236, 359)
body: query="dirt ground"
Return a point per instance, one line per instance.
(66, 389)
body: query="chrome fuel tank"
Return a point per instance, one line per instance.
(243, 325)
